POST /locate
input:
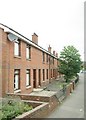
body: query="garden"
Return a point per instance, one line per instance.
(11, 108)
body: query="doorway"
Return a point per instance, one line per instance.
(39, 77)
(34, 78)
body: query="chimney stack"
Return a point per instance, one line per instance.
(49, 49)
(35, 38)
(53, 52)
(56, 54)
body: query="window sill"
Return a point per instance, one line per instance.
(27, 87)
(45, 63)
(16, 91)
(28, 59)
(43, 80)
(17, 57)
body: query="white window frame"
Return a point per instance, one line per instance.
(17, 48)
(16, 79)
(27, 77)
(28, 52)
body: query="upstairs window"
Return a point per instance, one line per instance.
(16, 79)
(47, 58)
(43, 56)
(17, 48)
(53, 60)
(28, 52)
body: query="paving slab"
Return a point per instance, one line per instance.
(43, 93)
(73, 106)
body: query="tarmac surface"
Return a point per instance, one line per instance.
(73, 105)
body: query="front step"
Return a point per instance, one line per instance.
(37, 90)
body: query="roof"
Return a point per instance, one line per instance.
(25, 39)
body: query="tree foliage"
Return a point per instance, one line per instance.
(84, 65)
(69, 62)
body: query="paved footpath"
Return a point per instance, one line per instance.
(73, 105)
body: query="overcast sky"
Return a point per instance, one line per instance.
(56, 22)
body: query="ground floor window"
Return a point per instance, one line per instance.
(27, 77)
(16, 79)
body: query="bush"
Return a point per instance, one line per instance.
(12, 108)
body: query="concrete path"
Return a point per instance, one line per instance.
(73, 106)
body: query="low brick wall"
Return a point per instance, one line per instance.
(35, 98)
(53, 103)
(33, 103)
(42, 111)
(38, 112)
(71, 87)
(67, 90)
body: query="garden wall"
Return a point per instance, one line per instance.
(42, 105)
(38, 112)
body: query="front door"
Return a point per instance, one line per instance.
(39, 74)
(34, 78)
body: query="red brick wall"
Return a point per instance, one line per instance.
(5, 61)
(10, 62)
(0, 62)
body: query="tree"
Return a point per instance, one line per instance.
(70, 62)
(84, 65)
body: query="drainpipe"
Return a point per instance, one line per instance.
(49, 70)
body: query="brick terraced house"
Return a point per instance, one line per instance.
(24, 65)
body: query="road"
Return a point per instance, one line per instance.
(73, 105)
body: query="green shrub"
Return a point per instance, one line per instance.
(26, 108)
(12, 108)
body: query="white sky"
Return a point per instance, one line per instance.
(56, 22)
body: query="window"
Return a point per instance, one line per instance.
(50, 60)
(47, 58)
(47, 74)
(17, 48)
(43, 57)
(43, 74)
(27, 77)
(28, 52)
(16, 79)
